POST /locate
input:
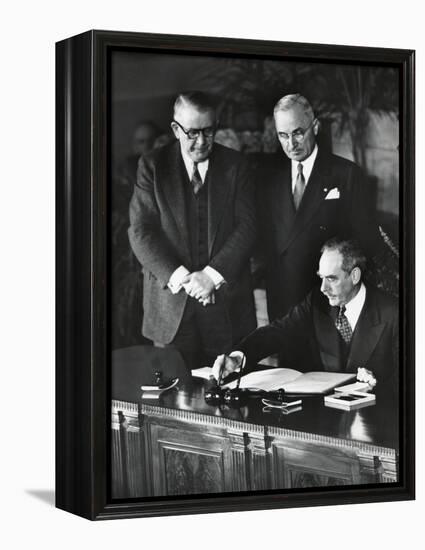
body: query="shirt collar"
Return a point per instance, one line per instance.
(354, 307)
(307, 165)
(189, 165)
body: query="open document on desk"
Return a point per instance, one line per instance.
(291, 380)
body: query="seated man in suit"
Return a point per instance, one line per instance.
(343, 326)
(192, 228)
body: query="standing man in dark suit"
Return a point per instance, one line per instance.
(305, 197)
(192, 228)
(341, 327)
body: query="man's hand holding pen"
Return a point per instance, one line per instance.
(226, 364)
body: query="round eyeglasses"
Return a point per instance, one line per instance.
(297, 135)
(194, 133)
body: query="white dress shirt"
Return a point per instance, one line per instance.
(354, 307)
(190, 166)
(175, 281)
(308, 164)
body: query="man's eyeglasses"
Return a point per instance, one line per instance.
(298, 135)
(194, 133)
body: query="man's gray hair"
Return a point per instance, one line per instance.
(351, 252)
(288, 102)
(200, 101)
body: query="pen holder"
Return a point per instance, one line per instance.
(214, 395)
(234, 398)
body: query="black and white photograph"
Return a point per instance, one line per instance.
(211, 275)
(254, 274)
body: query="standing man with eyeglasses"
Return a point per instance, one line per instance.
(192, 227)
(306, 196)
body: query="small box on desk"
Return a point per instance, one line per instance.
(350, 401)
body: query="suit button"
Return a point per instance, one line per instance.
(322, 227)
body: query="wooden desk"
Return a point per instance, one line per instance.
(180, 445)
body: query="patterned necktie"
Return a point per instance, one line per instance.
(196, 180)
(299, 186)
(343, 326)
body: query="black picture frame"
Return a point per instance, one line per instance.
(82, 392)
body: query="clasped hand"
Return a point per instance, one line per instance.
(200, 286)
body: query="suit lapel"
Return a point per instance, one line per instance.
(281, 201)
(315, 193)
(174, 180)
(220, 179)
(327, 336)
(366, 334)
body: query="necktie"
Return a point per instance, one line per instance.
(343, 326)
(299, 186)
(196, 180)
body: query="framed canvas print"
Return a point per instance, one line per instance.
(235, 274)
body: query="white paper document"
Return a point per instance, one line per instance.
(293, 381)
(203, 372)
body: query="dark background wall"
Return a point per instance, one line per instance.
(358, 105)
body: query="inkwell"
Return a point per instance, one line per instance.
(161, 386)
(235, 398)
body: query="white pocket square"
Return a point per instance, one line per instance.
(333, 194)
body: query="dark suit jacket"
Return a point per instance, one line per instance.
(159, 235)
(308, 339)
(292, 239)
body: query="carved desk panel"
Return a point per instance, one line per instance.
(163, 450)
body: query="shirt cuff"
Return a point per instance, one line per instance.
(175, 281)
(215, 276)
